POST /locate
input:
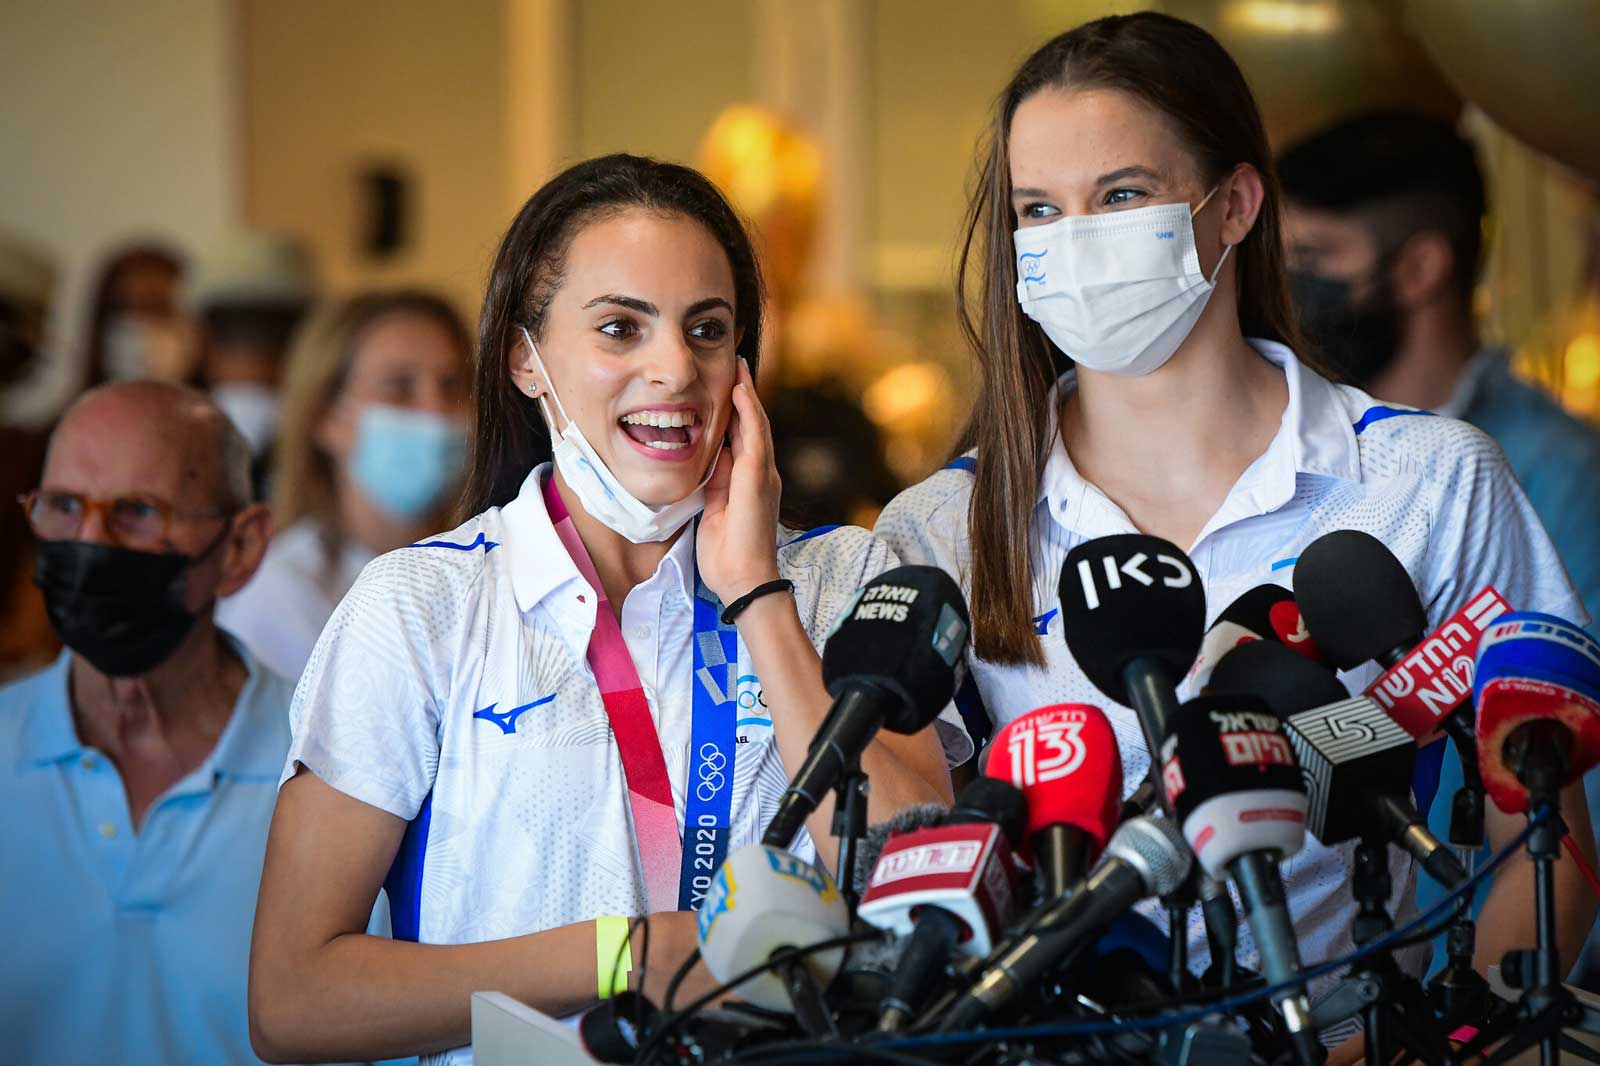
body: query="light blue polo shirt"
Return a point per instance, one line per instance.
(124, 947)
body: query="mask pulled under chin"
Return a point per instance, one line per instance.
(119, 608)
(1117, 293)
(602, 496)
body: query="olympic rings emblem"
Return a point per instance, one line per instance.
(709, 772)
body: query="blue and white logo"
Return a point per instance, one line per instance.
(507, 720)
(1031, 266)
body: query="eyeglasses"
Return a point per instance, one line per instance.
(132, 521)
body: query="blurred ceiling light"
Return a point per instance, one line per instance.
(907, 391)
(1583, 361)
(1286, 17)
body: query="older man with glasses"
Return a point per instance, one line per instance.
(139, 771)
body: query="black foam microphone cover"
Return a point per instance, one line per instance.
(1284, 679)
(905, 634)
(1228, 742)
(1129, 597)
(1357, 599)
(989, 799)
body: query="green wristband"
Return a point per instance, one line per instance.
(613, 955)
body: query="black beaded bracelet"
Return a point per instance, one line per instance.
(734, 609)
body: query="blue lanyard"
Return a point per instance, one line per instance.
(708, 805)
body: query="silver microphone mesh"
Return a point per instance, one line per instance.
(1154, 847)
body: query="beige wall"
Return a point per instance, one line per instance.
(117, 121)
(329, 88)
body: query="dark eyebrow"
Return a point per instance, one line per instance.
(644, 307)
(1128, 172)
(707, 304)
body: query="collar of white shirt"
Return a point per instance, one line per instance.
(1315, 438)
(542, 570)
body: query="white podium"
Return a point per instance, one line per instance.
(507, 1032)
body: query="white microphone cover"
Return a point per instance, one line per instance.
(761, 900)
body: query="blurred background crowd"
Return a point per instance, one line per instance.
(291, 205)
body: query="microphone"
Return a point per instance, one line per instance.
(1538, 696)
(1133, 612)
(1064, 758)
(1356, 761)
(762, 900)
(905, 820)
(1266, 612)
(1231, 774)
(944, 889)
(1359, 602)
(1144, 857)
(889, 663)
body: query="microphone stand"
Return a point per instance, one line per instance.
(1539, 752)
(849, 825)
(1395, 1013)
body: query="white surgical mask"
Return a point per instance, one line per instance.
(602, 495)
(139, 346)
(1117, 293)
(253, 409)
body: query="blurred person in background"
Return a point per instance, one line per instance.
(1384, 227)
(27, 278)
(250, 292)
(136, 325)
(139, 770)
(1384, 230)
(370, 457)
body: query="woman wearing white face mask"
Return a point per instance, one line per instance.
(508, 726)
(1141, 373)
(370, 458)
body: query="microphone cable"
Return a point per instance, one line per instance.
(1424, 926)
(778, 958)
(1387, 942)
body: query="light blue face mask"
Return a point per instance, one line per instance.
(406, 460)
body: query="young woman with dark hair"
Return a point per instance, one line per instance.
(1123, 290)
(508, 726)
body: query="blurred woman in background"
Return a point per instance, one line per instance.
(136, 326)
(370, 456)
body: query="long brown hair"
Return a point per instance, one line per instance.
(305, 481)
(1180, 70)
(509, 437)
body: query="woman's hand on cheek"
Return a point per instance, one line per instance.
(737, 541)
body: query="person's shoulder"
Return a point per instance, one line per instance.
(20, 697)
(1525, 417)
(1395, 440)
(945, 491)
(443, 563)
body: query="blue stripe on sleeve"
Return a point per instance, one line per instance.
(1378, 414)
(404, 883)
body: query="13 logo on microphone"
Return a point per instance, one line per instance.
(1056, 737)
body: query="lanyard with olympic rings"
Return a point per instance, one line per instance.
(708, 805)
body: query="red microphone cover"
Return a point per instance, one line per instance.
(1535, 667)
(1436, 677)
(1065, 760)
(964, 868)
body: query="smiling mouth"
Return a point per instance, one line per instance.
(666, 431)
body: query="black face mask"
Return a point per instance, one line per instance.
(1358, 341)
(119, 608)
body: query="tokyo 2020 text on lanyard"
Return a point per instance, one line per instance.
(673, 868)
